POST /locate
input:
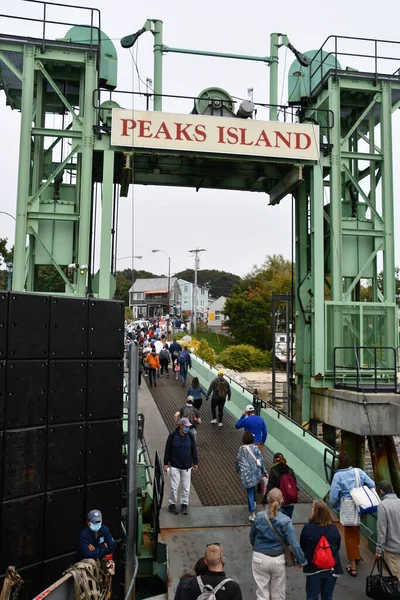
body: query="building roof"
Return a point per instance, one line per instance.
(153, 284)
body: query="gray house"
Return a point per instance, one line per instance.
(148, 298)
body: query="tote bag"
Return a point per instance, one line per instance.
(379, 587)
(366, 499)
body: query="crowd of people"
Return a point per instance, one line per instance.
(272, 535)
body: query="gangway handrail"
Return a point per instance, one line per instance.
(268, 405)
(356, 369)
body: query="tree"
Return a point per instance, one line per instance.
(123, 285)
(5, 257)
(220, 283)
(249, 307)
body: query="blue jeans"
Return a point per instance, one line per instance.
(321, 583)
(183, 371)
(288, 510)
(251, 499)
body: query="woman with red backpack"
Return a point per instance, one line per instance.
(282, 477)
(320, 542)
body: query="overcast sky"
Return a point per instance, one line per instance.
(237, 229)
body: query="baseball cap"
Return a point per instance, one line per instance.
(95, 516)
(184, 421)
(249, 408)
(220, 372)
(190, 399)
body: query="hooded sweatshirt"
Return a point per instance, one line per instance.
(275, 475)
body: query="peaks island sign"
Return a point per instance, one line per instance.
(222, 135)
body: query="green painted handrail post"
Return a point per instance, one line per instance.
(24, 168)
(106, 224)
(157, 31)
(85, 173)
(273, 77)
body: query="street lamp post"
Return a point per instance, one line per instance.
(169, 286)
(196, 267)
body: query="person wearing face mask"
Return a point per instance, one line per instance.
(95, 540)
(180, 457)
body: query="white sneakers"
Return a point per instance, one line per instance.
(219, 424)
(252, 517)
(213, 420)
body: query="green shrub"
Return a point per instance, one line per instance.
(244, 357)
(205, 352)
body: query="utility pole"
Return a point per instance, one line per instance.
(196, 267)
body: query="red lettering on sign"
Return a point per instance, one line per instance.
(127, 125)
(221, 134)
(280, 136)
(181, 130)
(144, 127)
(263, 140)
(243, 142)
(232, 135)
(298, 137)
(200, 134)
(163, 130)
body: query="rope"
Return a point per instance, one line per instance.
(91, 582)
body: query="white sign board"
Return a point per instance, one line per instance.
(222, 135)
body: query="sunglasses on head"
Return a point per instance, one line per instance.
(214, 544)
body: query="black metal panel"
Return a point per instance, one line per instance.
(106, 329)
(105, 389)
(22, 530)
(68, 328)
(3, 371)
(103, 450)
(65, 456)
(33, 577)
(26, 394)
(28, 326)
(107, 497)
(64, 513)
(3, 323)
(54, 568)
(67, 391)
(24, 462)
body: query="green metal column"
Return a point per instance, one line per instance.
(106, 225)
(336, 202)
(318, 271)
(85, 172)
(388, 211)
(273, 77)
(24, 168)
(158, 63)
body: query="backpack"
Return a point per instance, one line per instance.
(221, 388)
(182, 357)
(188, 413)
(207, 592)
(323, 557)
(289, 489)
(163, 354)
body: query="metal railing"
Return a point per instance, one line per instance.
(44, 21)
(367, 369)
(371, 55)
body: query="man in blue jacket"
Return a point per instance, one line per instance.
(254, 424)
(180, 458)
(95, 540)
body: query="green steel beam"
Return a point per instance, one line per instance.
(359, 275)
(10, 65)
(23, 189)
(58, 268)
(43, 216)
(362, 193)
(362, 156)
(57, 133)
(157, 30)
(54, 174)
(318, 270)
(57, 90)
(264, 59)
(360, 119)
(106, 225)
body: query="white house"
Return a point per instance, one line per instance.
(187, 297)
(216, 312)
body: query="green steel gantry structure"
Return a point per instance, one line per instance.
(344, 203)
